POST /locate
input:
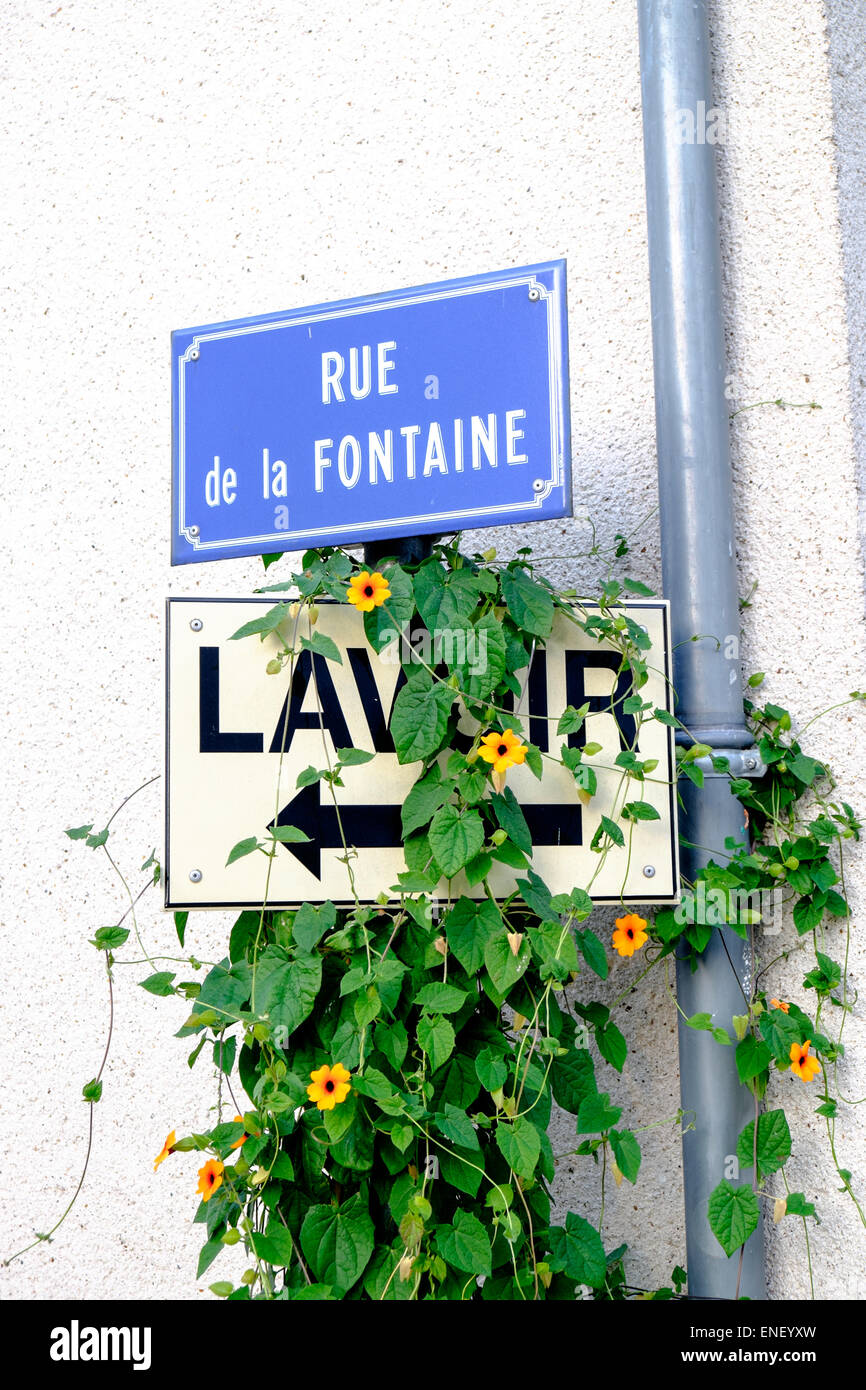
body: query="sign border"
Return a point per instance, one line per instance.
(184, 532)
(169, 906)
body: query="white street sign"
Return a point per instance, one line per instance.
(227, 779)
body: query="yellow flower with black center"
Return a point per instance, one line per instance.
(210, 1177)
(802, 1064)
(502, 750)
(630, 934)
(330, 1086)
(167, 1148)
(368, 591)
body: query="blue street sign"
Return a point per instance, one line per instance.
(419, 411)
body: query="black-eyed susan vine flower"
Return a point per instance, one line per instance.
(802, 1064)
(630, 934)
(368, 591)
(210, 1177)
(502, 750)
(330, 1086)
(167, 1148)
(779, 1004)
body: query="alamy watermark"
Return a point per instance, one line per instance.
(456, 646)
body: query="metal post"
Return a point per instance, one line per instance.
(700, 579)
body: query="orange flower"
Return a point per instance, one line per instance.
(502, 750)
(630, 934)
(330, 1086)
(239, 1119)
(802, 1064)
(368, 591)
(167, 1148)
(209, 1178)
(779, 1004)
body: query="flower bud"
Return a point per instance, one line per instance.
(248, 1276)
(488, 555)
(294, 610)
(231, 1237)
(499, 837)
(274, 667)
(314, 612)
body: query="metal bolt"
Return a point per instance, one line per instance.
(196, 624)
(193, 530)
(751, 764)
(649, 871)
(538, 485)
(193, 357)
(534, 294)
(195, 875)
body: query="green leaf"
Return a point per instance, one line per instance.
(393, 1041)
(468, 928)
(457, 1126)
(160, 983)
(572, 1079)
(530, 605)
(519, 1142)
(485, 641)
(337, 1242)
(626, 1151)
(612, 1046)
(752, 1057)
(109, 938)
(289, 835)
(808, 913)
(311, 923)
(180, 921)
(640, 810)
(774, 1143)
(733, 1214)
(507, 810)
(503, 966)
(436, 1039)
(242, 848)
(577, 1250)
(79, 832)
(491, 1069)
(779, 1031)
(419, 720)
(596, 1114)
(636, 587)
(571, 720)
(286, 990)
(92, 1091)
(592, 951)
(425, 798)
(613, 830)
(466, 1245)
(455, 838)
(441, 998)
(322, 646)
(261, 626)
(95, 841)
(382, 623)
(208, 1254)
(796, 1205)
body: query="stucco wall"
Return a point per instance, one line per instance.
(169, 166)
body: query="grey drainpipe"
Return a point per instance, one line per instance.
(700, 579)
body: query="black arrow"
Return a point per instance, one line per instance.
(380, 827)
(366, 827)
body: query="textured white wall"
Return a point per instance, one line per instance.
(167, 166)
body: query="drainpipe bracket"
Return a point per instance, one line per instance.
(742, 762)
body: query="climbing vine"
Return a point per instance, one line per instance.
(388, 1068)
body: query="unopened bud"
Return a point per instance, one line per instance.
(248, 1276)
(405, 1268)
(780, 1207)
(514, 940)
(499, 837)
(232, 1237)
(274, 667)
(441, 945)
(314, 612)
(488, 555)
(294, 610)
